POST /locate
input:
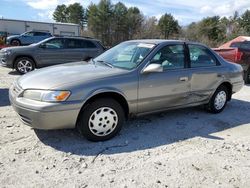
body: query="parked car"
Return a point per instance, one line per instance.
(238, 52)
(27, 38)
(52, 51)
(131, 79)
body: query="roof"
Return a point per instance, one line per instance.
(75, 37)
(238, 39)
(58, 23)
(155, 41)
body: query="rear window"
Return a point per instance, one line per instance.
(246, 45)
(40, 34)
(89, 44)
(235, 44)
(79, 43)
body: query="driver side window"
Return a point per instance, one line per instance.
(170, 57)
(30, 34)
(54, 44)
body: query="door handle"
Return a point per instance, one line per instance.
(183, 79)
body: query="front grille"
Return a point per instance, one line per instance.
(3, 62)
(25, 119)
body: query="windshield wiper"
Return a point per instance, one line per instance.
(106, 63)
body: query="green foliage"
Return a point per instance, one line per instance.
(114, 23)
(135, 19)
(74, 13)
(60, 14)
(168, 25)
(245, 21)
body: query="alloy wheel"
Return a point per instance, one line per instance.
(24, 66)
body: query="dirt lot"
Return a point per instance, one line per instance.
(183, 148)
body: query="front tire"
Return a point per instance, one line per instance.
(15, 42)
(218, 101)
(101, 120)
(24, 65)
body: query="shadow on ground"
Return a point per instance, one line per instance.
(13, 72)
(4, 97)
(153, 130)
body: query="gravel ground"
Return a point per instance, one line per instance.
(182, 148)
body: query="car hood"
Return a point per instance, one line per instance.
(55, 76)
(12, 37)
(17, 48)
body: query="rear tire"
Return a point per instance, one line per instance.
(24, 65)
(101, 120)
(219, 100)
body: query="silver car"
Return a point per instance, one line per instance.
(131, 79)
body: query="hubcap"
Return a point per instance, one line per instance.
(220, 100)
(103, 121)
(24, 66)
(15, 43)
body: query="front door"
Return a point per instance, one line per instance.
(52, 52)
(169, 88)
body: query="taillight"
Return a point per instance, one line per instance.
(238, 56)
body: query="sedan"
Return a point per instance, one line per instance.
(131, 79)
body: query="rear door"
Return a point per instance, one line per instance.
(206, 72)
(170, 88)
(81, 49)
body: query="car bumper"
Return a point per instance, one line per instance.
(237, 86)
(5, 61)
(47, 116)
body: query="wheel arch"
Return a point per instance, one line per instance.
(116, 95)
(17, 40)
(229, 87)
(21, 56)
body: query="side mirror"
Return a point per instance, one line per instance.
(42, 46)
(153, 68)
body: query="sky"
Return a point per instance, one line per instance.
(185, 11)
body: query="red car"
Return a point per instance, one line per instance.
(237, 51)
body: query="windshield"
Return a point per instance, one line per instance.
(126, 55)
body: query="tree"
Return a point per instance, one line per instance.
(61, 14)
(94, 23)
(191, 32)
(120, 23)
(245, 21)
(74, 13)
(135, 19)
(168, 25)
(210, 29)
(149, 29)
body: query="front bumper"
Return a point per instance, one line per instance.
(5, 61)
(238, 86)
(42, 115)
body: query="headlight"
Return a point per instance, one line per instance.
(46, 96)
(6, 52)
